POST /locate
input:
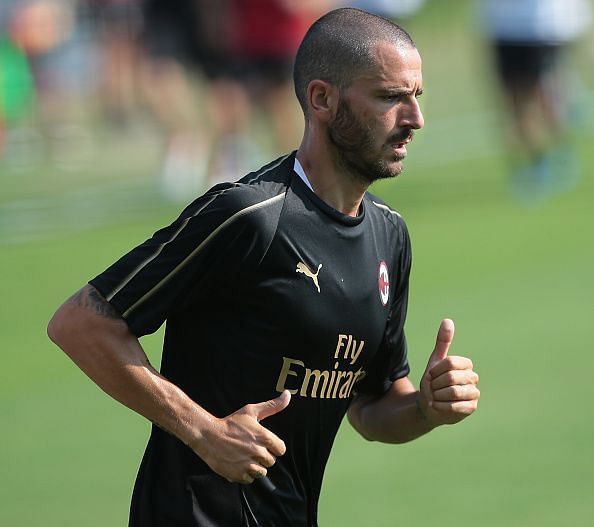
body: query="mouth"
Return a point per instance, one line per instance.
(400, 146)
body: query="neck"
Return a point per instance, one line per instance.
(331, 182)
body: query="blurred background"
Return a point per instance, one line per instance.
(115, 113)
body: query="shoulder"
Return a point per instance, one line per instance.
(261, 190)
(381, 212)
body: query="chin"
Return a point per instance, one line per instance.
(391, 170)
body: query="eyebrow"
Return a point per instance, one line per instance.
(402, 91)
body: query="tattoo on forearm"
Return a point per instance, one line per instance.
(90, 298)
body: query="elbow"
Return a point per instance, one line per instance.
(355, 417)
(63, 329)
(55, 327)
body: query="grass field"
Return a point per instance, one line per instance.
(517, 280)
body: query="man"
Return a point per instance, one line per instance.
(530, 41)
(285, 297)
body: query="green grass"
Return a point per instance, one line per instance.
(517, 281)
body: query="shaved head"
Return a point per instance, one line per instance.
(339, 46)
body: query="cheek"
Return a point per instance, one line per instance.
(383, 126)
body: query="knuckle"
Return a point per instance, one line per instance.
(268, 441)
(449, 361)
(265, 459)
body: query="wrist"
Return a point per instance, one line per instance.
(423, 411)
(420, 412)
(196, 430)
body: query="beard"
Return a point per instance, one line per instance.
(355, 147)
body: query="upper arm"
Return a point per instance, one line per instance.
(82, 315)
(200, 255)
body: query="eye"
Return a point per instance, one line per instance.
(391, 97)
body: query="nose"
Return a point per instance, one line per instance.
(412, 116)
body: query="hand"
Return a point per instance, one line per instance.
(238, 447)
(448, 387)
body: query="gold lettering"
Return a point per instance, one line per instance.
(285, 372)
(348, 347)
(345, 388)
(356, 352)
(340, 375)
(339, 345)
(359, 374)
(330, 384)
(317, 374)
(323, 384)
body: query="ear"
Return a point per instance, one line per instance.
(322, 98)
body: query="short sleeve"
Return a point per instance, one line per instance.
(390, 362)
(212, 239)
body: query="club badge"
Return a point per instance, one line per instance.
(383, 282)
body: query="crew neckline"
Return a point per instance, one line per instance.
(327, 209)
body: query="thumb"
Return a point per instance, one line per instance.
(274, 406)
(445, 335)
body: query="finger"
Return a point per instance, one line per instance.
(246, 478)
(458, 407)
(445, 335)
(453, 377)
(450, 363)
(274, 406)
(274, 444)
(468, 392)
(265, 458)
(256, 471)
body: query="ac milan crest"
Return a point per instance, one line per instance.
(383, 282)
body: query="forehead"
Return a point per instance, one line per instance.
(393, 65)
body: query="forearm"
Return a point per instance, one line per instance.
(395, 417)
(105, 349)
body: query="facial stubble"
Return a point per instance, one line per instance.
(355, 151)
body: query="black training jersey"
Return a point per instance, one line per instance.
(264, 287)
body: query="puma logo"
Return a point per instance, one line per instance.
(303, 269)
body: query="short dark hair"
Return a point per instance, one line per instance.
(339, 45)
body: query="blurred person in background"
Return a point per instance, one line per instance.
(530, 41)
(263, 39)
(60, 58)
(185, 53)
(17, 89)
(214, 71)
(116, 26)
